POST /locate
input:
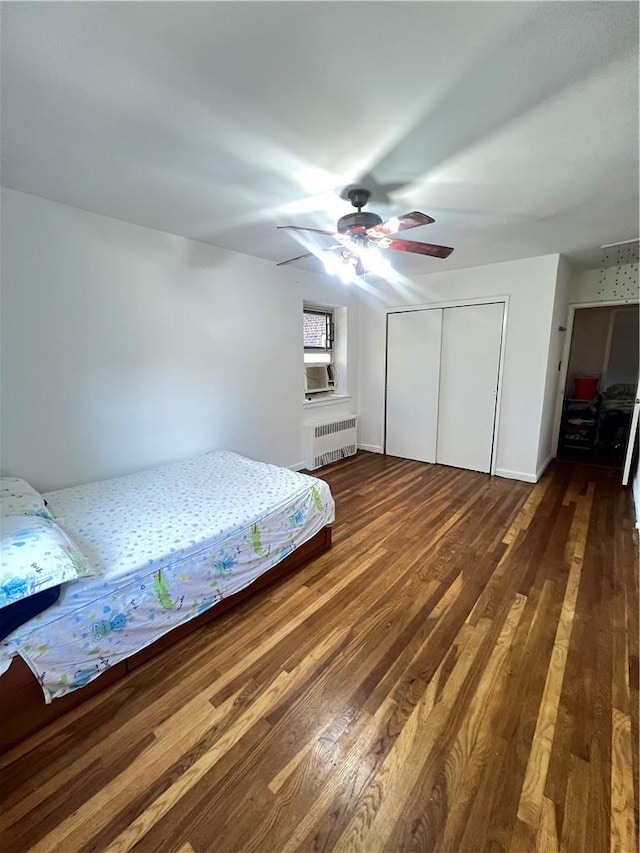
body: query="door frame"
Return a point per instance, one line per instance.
(454, 303)
(633, 437)
(566, 352)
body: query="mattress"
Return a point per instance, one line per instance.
(165, 546)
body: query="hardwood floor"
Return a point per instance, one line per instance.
(458, 674)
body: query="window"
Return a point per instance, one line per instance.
(318, 335)
(318, 354)
(324, 336)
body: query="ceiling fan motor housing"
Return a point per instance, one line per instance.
(357, 223)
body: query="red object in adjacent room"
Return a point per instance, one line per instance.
(586, 387)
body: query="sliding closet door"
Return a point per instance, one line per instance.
(413, 365)
(471, 340)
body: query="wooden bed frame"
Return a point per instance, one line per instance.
(22, 707)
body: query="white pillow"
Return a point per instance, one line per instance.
(35, 554)
(17, 497)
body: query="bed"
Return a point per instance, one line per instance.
(160, 551)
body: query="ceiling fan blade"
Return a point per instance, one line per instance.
(309, 255)
(413, 246)
(298, 228)
(400, 223)
(298, 258)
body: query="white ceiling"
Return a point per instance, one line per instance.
(606, 256)
(514, 124)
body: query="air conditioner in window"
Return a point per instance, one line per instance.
(317, 378)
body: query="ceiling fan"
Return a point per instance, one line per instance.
(358, 233)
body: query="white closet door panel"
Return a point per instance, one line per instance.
(471, 339)
(413, 365)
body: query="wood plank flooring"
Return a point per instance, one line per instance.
(458, 674)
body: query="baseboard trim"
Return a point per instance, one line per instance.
(516, 475)
(372, 448)
(297, 467)
(544, 466)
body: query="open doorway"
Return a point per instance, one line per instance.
(602, 380)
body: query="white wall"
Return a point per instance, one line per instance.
(623, 357)
(124, 347)
(552, 391)
(588, 344)
(591, 327)
(530, 285)
(611, 284)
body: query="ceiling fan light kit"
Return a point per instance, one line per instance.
(359, 235)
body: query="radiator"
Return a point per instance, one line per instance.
(330, 441)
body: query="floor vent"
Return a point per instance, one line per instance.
(328, 442)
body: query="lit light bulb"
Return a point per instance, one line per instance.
(332, 263)
(345, 274)
(375, 262)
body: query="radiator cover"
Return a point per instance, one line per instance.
(329, 441)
